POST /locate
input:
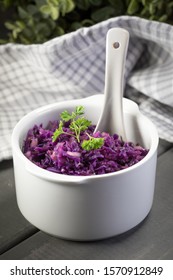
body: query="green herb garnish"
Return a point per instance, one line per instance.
(81, 124)
(77, 125)
(92, 143)
(66, 116)
(58, 131)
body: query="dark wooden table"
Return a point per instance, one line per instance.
(152, 239)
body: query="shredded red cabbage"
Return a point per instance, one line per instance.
(66, 156)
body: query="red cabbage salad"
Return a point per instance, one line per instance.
(70, 146)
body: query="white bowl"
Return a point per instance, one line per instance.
(86, 207)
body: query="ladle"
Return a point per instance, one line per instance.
(111, 119)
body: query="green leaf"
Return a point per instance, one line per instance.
(54, 12)
(103, 14)
(22, 13)
(66, 6)
(145, 12)
(58, 132)
(80, 124)
(156, 1)
(53, 2)
(40, 3)
(16, 28)
(127, 2)
(25, 40)
(133, 7)
(87, 22)
(32, 10)
(10, 25)
(170, 5)
(27, 33)
(92, 144)
(7, 3)
(143, 2)
(15, 33)
(152, 9)
(3, 41)
(83, 4)
(75, 25)
(58, 31)
(77, 125)
(45, 9)
(79, 110)
(31, 22)
(44, 28)
(118, 5)
(96, 2)
(66, 116)
(163, 18)
(20, 24)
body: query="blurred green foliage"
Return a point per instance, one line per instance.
(37, 21)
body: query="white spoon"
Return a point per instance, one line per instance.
(111, 119)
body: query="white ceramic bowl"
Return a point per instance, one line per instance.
(86, 207)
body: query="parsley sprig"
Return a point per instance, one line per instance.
(92, 143)
(77, 125)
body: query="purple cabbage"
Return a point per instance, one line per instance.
(66, 156)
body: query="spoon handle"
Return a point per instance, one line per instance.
(111, 119)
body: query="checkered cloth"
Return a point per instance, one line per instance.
(73, 66)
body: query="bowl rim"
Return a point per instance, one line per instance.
(56, 177)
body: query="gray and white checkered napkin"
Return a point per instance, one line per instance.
(72, 66)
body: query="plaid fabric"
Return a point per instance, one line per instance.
(73, 66)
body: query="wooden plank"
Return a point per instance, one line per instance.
(152, 239)
(13, 226)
